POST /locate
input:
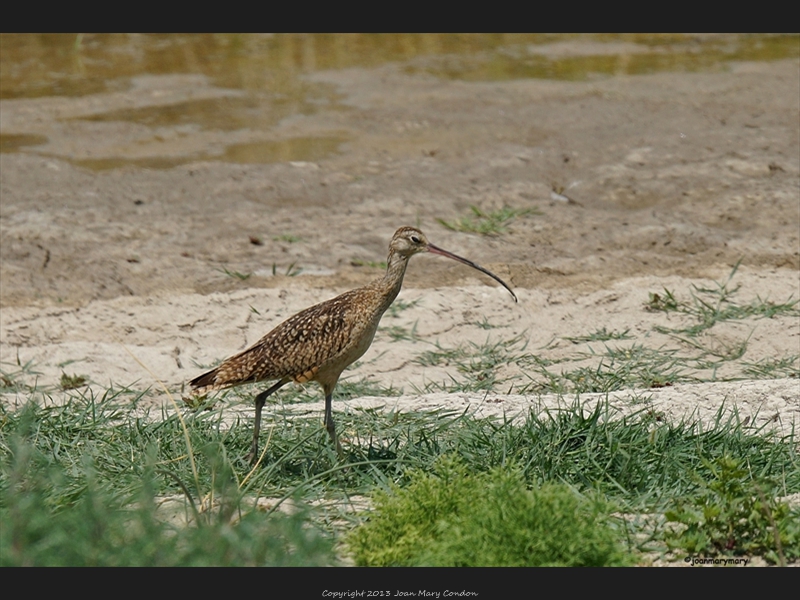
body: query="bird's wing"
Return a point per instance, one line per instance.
(298, 347)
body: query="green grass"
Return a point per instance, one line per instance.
(711, 305)
(770, 368)
(53, 518)
(395, 333)
(735, 515)
(610, 360)
(287, 237)
(70, 382)
(485, 324)
(478, 366)
(486, 223)
(373, 264)
(634, 366)
(346, 389)
(89, 473)
(601, 335)
(291, 271)
(13, 376)
(506, 365)
(235, 274)
(399, 306)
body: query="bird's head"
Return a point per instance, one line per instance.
(408, 241)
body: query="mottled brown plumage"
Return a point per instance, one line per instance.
(318, 343)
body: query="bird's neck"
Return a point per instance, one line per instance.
(391, 283)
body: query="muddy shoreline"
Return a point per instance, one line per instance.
(623, 186)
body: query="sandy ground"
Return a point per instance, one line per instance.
(635, 184)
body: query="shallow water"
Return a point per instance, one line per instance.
(264, 78)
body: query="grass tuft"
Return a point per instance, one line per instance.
(735, 514)
(399, 306)
(491, 223)
(71, 382)
(711, 305)
(788, 366)
(395, 333)
(601, 335)
(235, 274)
(373, 264)
(287, 237)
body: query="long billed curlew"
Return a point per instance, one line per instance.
(317, 344)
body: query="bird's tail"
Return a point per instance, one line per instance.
(235, 370)
(205, 382)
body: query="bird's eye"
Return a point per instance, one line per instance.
(415, 239)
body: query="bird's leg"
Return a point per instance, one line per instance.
(329, 424)
(260, 400)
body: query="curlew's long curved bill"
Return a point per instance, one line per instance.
(440, 252)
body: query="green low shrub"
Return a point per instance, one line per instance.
(455, 518)
(734, 515)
